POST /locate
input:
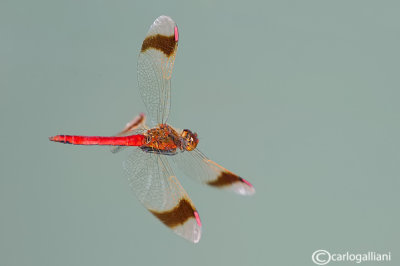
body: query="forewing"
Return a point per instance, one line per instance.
(155, 64)
(197, 166)
(155, 185)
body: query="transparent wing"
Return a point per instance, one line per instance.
(136, 126)
(152, 180)
(155, 64)
(197, 166)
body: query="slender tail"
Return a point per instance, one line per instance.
(132, 140)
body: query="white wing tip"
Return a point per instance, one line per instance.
(163, 19)
(190, 230)
(243, 188)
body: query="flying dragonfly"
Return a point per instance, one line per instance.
(149, 165)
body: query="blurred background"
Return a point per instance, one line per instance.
(299, 97)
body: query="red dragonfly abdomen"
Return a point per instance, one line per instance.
(133, 140)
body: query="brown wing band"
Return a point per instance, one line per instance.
(178, 215)
(225, 179)
(165, 44)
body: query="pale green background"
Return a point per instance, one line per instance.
(299, 97)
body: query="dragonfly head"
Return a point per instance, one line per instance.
(190, 138)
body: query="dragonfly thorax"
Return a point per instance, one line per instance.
(166, 140)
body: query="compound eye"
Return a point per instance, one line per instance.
(190, 146)
(184, 133)
(190, 138)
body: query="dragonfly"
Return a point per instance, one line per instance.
(161, 147)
